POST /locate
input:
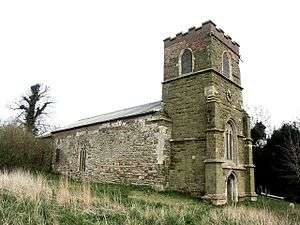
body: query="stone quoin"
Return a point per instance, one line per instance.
(195, 140)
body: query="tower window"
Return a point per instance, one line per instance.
(186, 61)
(82, 160)
(229, 141)
(226, 65)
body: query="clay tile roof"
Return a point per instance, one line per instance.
(124, 113)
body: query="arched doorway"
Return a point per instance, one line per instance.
(232, 195)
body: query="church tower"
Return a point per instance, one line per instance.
(211, 151)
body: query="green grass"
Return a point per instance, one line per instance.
(74, 203)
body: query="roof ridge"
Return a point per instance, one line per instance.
(118, 110)
(115, 115)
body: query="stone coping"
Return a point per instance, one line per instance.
(200, 72)
(187, 139)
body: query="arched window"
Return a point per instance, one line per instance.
(226, 65)
(229, 141)
(186, 61)
(57, 156)
(82, 160)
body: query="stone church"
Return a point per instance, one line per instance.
(195, 140)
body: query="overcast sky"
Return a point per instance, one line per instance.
(100, 56)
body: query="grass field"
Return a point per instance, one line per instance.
(40, 199)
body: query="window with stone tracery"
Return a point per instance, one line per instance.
(229, 141)
(226, 70)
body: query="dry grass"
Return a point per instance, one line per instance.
(252, 216)
(33, 199)
(23, 184)
(184, 208)
(64, 196)
(36, 187)
(75, 196)
(158, 198)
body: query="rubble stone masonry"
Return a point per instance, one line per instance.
(182, 146)
(128, 151)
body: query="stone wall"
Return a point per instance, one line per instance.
(127, 151)
(200, 104)
(228, 105)
(184, 103)
(218, 168)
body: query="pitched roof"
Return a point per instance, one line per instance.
(124, 113)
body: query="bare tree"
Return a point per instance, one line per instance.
(32, 109)
(297, 122)
(258, 114)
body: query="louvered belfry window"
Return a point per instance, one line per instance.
(226, 65)
(186, 61)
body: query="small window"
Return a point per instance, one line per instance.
(82, 160)
(186, 61)
(229, 141)
(226, 65)
(57, 155)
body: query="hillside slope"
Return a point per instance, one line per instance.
(44, 199)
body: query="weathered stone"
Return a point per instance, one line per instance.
(182, 146)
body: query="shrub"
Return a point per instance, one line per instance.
(20, 149)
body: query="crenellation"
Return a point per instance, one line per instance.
(228, 37)
(191, 29)
(179, 34)
(220, 30)
(235, 43)
(207, 27)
